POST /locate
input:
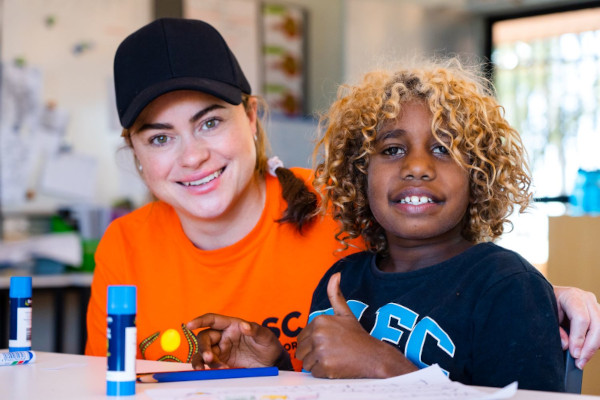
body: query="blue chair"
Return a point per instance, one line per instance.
(573, 375)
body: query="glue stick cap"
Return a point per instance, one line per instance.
(20, 287)
(122, 299)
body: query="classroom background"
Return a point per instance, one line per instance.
(65, 173)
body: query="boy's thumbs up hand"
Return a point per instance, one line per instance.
(337, 346)
(333, 346)
(336, 298)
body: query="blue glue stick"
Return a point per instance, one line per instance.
(19, 338)
(122, 340)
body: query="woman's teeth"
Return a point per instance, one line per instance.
(204, 180)
(416, 200)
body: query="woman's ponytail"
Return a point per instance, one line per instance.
(302, 202)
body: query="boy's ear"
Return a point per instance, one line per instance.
(471, 199)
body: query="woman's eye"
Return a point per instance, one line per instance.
(392, 151)
(210, 124)
(159, 140)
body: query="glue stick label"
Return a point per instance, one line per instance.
(20, 323)
(122, 337)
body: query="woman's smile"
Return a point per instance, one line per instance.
(203, 181)
(198, 154)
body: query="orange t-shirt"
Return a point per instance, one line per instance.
(267, 277)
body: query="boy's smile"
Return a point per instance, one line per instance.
(416, 191)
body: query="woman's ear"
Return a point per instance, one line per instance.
(252, 112)
(137, 163)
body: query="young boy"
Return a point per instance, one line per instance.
(421, 164)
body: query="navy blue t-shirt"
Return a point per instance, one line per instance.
(486, 316)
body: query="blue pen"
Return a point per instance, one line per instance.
(197, 375)
(17, 358)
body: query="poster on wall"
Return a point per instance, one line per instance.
(284, 58)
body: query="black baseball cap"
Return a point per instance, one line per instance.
(174, 54)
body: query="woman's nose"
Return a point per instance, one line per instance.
(418, 165)
(193, 153)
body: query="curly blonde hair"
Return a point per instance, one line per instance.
(464, 113)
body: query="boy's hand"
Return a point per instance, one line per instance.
(233, 343)
(582, 313)
(337, 346)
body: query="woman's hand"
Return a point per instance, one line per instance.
(582, 313)
(230, 342)
(337, 346)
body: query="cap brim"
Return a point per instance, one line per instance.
(221, 90)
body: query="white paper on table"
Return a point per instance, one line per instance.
(426, 384)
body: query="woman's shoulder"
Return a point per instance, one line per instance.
(305, 174)
(155, 213)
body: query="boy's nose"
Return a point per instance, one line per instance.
(419, 167)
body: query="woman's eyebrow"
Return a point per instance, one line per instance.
(204, 111)
(157, 126)
(196, 117)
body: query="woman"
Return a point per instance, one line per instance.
(224, 236)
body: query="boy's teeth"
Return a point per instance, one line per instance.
(204, 180)
(416, 200)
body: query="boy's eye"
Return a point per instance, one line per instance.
(159, 139)
(440, 150)
(392, 150)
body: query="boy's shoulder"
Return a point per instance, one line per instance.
(355, 259)
(351, 263)
(500, 261)
(491, 252)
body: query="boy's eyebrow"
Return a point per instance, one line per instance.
(196, 117)
(394, 133)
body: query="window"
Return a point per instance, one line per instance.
(547, 76)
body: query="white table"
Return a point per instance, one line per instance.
(68, 376)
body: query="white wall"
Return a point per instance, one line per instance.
(345, 38)
(79, 83)
(378, 32)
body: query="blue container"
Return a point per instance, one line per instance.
(19, 338)
(122, 340)
(586, 194)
